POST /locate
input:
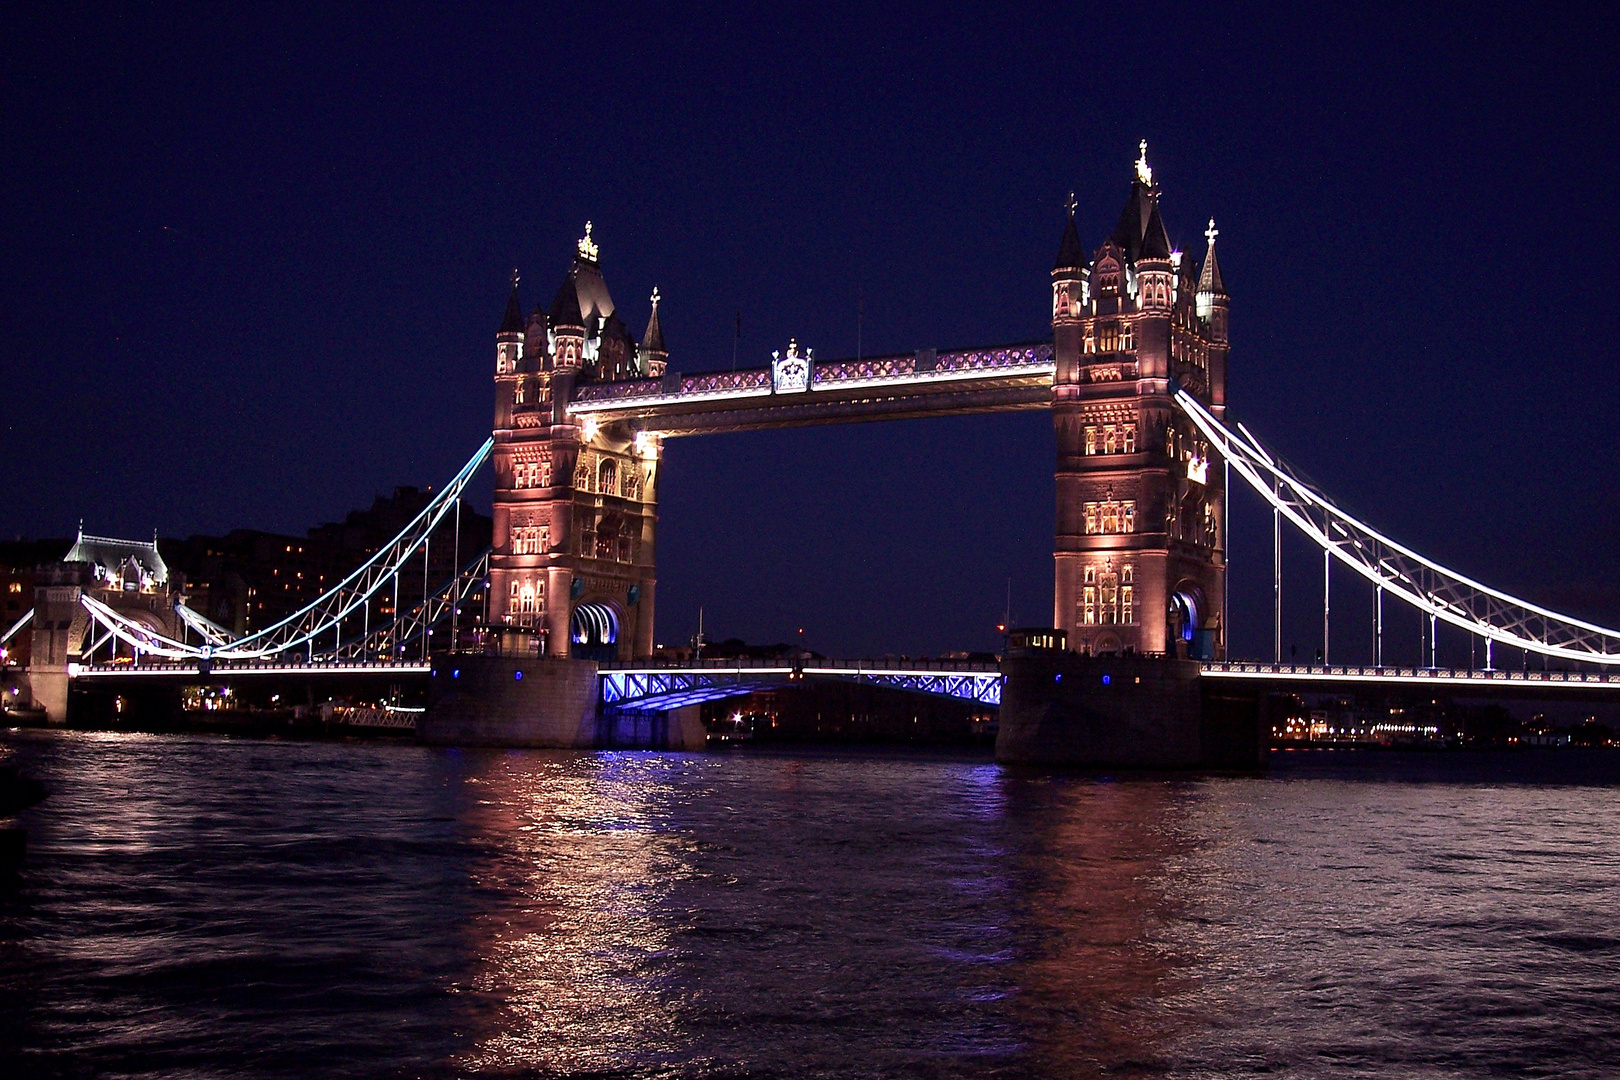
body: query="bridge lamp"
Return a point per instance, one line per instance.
(590, 427)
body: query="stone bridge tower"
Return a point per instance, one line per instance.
(1141, 500)
(575, 503)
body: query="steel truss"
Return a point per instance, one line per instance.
(1419, 582)
(674, 688)
(394, 639)
(319, 621)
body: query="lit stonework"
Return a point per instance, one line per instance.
(575, 503)
(1140, 548)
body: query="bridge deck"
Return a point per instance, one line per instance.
(1452, 680)
(188, 669)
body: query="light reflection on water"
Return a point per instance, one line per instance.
(208, 907)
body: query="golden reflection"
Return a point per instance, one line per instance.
(572, 936)
(1095, 859)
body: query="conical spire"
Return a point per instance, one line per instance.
(565, 309)
(512, 323)
(1134, 220)
(1070, 256)
(1155, 241)
(1209, 278)
(653, 340)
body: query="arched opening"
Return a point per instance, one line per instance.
(593, 633)
(1187, 634)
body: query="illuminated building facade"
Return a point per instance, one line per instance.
(1141, 501)
(575, 504)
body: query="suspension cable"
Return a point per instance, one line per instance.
(1422, 583)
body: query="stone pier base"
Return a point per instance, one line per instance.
(48, 689)
(1129, 712)
(675, 729)
(511, 701)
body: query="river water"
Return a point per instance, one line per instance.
(208, 907)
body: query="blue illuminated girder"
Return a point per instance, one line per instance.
(674, 688)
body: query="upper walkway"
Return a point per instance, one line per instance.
(797, 390)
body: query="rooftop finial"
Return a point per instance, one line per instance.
(655, 298)
(587, 246)
(1071, 204)
(1143, 172)
(1211, 233)
(514, 277)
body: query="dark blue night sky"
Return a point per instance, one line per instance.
(253, 266)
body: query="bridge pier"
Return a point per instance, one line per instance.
(1125, 712)
(523, 701)
(653, 729)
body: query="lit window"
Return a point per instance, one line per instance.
(1110, 516)
(608, 477)
(1091, 440)
(1128, 434)
(530, 539)
(1127, 340)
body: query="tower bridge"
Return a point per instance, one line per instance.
(1134, 374)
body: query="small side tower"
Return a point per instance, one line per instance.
(654, 357)
(1212, 310)
(508, 357)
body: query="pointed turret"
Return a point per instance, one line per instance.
(568, 328)
(1212, 299)
(1209, 277)
(565, 308)
(1070, 256)
(509, 338)
(1155, 241)
(653, 354)
(1136, 218)
(512, 322)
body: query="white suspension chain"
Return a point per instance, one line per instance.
(1418, 581)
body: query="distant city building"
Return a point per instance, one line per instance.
(247, 579)
(1141, 531)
